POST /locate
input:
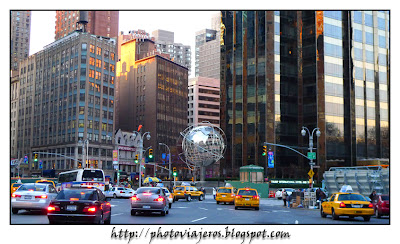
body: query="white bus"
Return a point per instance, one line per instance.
(82, 177)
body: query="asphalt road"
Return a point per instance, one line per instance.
(208, 212)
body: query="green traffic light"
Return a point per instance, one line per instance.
(150, 156)
(264, 154)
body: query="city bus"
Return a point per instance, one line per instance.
(82, 177)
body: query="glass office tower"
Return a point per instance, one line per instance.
(281, 70)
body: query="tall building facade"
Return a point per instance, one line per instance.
(101, 23)
(178, 52)
(152, 92)
(20, 37)
(282, 70)
(66, 97)
(14, 94)
(203, 37)
(203, 100)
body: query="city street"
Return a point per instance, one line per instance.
(208, 212)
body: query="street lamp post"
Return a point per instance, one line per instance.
(85, 156)
(169, 159)
(310, 145)
(140, 148)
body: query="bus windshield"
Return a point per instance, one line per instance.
(93, 175)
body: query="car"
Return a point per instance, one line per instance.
(80, 205)
(247, 198)
(47, 182)
(347, 204)
(278, 193)
(169, 196)
(381, 205)
(225, 195)
(32, 196)
(188, 193)
(14, 187)
(119, 191)
(149, 199)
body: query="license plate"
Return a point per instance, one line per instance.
(356, 206)
(247, 199)
(28, 197)
(71, 208)
(223, 196)
(146, 206)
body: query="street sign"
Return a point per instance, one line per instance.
(311, 173)
(312, 155)
(271, 159)
(316, 166)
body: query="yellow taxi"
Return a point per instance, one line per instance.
(247, 198)
(44, 181)
(347, 204)
(225, 195)
(188, 193)
(14, 187)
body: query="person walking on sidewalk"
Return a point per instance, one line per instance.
(284, 195)
(214, 192)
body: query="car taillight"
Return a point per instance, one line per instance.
(121, 192)
(184, 192)
(238, 196)
(232, 195)
(159, 199)
(256, 197)
(53, 208)
(15, 195)
(90, 209)
(370, 205)
(135, 198)
(342, 205)
(42, 196)
(74, 199)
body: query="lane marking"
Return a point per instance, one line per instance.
(198, 219)
(204, 208)
(181, 207)
(116, 214)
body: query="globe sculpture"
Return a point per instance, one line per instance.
(202, 145)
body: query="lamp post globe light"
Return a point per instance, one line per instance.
(140, 149)
(304, 131)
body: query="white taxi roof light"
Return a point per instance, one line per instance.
(346, 189)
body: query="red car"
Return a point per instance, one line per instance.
(381, 205)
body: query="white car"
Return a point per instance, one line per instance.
(32, 196)
(119, 191)
(169, 196)
(278, 193)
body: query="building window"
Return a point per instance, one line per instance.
(98, 51)
(91, 48)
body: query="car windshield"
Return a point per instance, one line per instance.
(148, 190)
(224, 191)
(385, 198)
(354, 197)
(120, 189)
(16, 185)
(179, 189)
(248, 192)
(76, 194)
(32, 188)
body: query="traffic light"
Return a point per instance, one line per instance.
(264, 150)
(35, 157)
(150, 153)
(174, 173)
(136, 158)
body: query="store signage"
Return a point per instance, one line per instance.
(125, 148)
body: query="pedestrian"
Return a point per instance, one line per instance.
(288, 199)
(204, 191)
(322, 195)
(284, 194)
(214, 192)
(373, 195)
(317, 194)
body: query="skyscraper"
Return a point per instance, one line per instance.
(101, 23)
(178, 52)
(282, 70)
(20, 37)
(67, 96)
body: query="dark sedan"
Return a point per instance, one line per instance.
(149, 199)
(81, 205)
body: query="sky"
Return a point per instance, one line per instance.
(184, 24)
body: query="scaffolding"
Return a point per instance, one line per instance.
(363, 179)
